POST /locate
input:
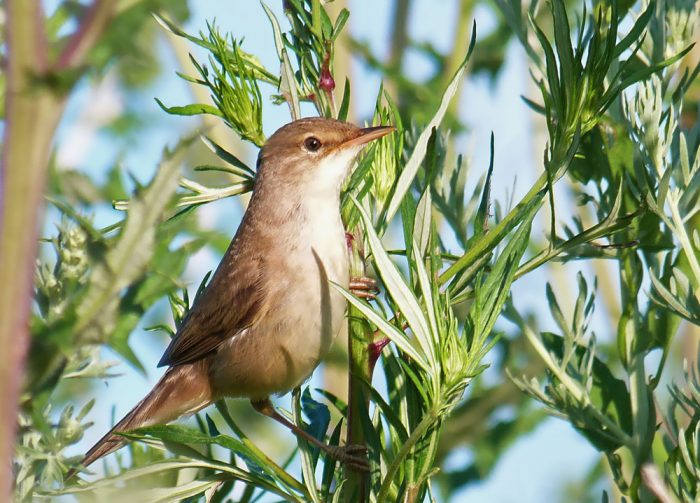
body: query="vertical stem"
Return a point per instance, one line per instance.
(342, 55)
(460, 46)
(632, 345)
(359, 339)
(399, 39)
(32, 112)
(335, 374)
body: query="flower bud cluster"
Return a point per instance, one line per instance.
(644, 113)
(72, 253)
(72, 263)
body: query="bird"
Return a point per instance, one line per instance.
(269, 314)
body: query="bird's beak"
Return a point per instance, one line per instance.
(368, 134)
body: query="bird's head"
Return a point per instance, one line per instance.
(315, 153)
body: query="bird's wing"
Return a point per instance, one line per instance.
(231, 302)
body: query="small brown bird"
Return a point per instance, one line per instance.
(269, 314)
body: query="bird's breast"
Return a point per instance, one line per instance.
(281, 350)
(323, 251)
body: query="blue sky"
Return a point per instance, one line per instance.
(534, 469)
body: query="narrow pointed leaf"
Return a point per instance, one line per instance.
(398, 290)
(416, 159)
(402, 341)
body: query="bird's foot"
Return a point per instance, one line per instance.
(354, 456)
(364, 288)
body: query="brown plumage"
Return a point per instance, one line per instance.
(268, 315)
(182, 390)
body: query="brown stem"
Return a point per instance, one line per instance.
(87, 34)
(29, 123)
(32, 112)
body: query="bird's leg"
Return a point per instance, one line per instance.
(352, 455)
(363, 287)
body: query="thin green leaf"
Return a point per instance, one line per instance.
(426, 291)
(482, 215)
(416, 159)
(422, 223)
(402, 341)
(195, 109)
(227, 156)
(345, 103)
(398, 290)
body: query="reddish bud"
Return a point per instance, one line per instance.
(375, 350)
(326, 81)
(349, 239)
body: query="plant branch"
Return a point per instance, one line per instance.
(32, 113)
(492, 238)
(91, 28)
(416, 435)
(360, 372)
(573, 387)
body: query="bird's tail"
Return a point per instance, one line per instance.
(182, 390)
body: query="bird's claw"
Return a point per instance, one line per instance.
(354, 456)
(364, 288)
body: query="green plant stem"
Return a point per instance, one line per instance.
(427, 421)
(640, 415)
(359, 337)
(459, 46)
(602, 229)
(32, 112)
(574, 388)
(290, 481)
(492, 238)
(33, 109)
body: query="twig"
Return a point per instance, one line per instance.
(87, 34)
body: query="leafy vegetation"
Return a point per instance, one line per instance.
(614, 86)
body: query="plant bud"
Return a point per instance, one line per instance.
(326, 81)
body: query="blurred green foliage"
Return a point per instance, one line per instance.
(627, 156)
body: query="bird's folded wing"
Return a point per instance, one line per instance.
(231, 302)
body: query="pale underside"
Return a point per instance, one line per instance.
(270, 313)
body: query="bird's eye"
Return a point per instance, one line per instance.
(312, 144)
